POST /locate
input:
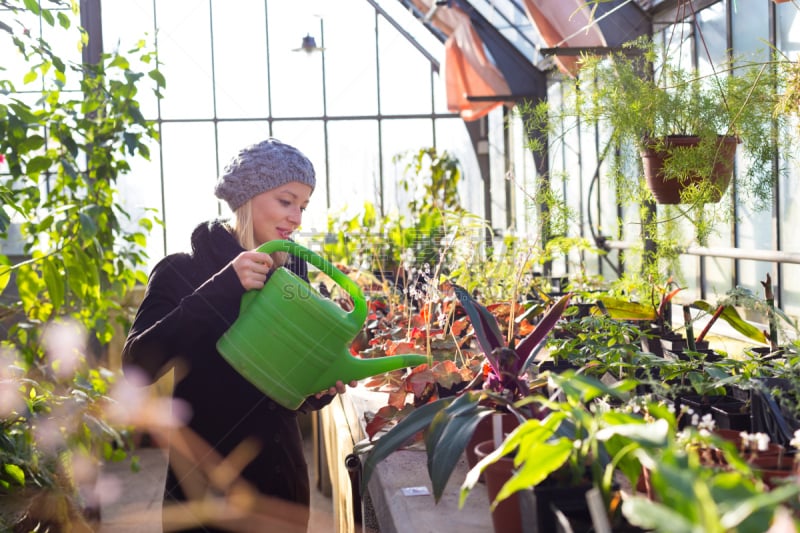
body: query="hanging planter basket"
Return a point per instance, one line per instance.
(656, 153)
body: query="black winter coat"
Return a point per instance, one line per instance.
(190, 301)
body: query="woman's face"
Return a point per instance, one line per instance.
(278, 212)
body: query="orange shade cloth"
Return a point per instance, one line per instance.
(468, 71)
(565, 23)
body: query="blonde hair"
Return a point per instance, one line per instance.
(245, 234)
(243, 226)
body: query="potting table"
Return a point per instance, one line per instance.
(400, 498)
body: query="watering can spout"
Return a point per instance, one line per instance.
(354, 369)
(291, 342)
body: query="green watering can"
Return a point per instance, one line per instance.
(291, 342)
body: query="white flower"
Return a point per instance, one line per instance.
(759, 441)
(706, 423)
(795, 442)
(762, 441)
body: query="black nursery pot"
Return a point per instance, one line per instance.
(773, 415)
(702, 348)
(557, 367)
(730, 413)
(652, 343)
(571, 501)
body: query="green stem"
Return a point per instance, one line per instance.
(687, 320)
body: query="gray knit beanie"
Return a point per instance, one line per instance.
(261, 167)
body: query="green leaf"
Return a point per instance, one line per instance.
(33, 6)
(157, 77)
(738, 512)
(545, 459)
(5, 272)
(445, 451)
(400, 435)
(47, 15)
(621, 309)
(653, 434)
(63, 20)
(38, 164)
(732, 317)
(54, 282)
(16, 473)
(5, 220)
(655, 516)
(585, 388)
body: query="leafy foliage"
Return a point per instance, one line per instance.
(413, 238)
(62, 153)
(448, 423)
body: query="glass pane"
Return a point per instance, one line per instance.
(189, 179)
(65, 44)
(788, 19)
(123, 26)
(354, 166)
(240, 63)
(140, 193)
(523, 174)
(790, 289)
(350, 63)
(712, 38)
(184, 47)
(295, 74)
(750, 31)
(452, 136)
(439, 93)
(405, 83)
(401, 137)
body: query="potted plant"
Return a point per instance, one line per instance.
(83, 253)
(448, 423)
(651, 100)
(567, 457)
(648, 102)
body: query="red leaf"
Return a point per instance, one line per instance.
(384, 415)
(459, 326)
(397, 399)
(402, 347)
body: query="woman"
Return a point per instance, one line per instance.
(191, 300)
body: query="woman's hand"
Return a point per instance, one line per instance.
(252, 269)
(339, 388)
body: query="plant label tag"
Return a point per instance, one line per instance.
(415, 491)
(597, 510)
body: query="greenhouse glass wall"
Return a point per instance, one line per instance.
(372, 86)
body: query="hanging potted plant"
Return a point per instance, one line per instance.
(642, 99)
(687, 125)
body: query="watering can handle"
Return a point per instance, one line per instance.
(359, 313)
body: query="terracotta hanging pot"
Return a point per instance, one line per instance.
(668, 191)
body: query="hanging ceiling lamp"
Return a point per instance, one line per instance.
(309, 45)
